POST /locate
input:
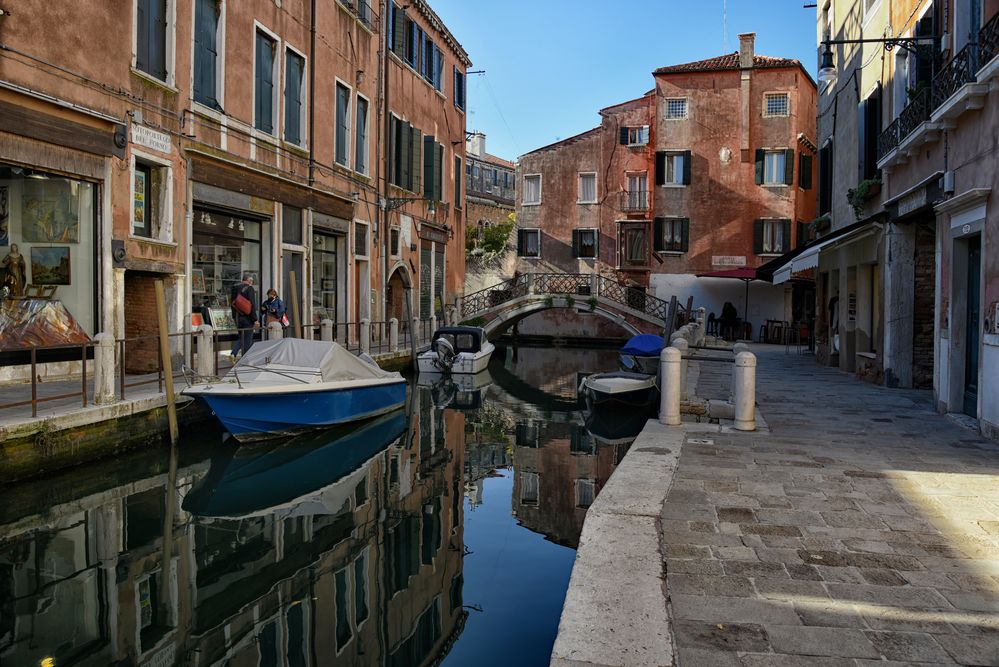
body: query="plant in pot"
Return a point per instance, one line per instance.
(859, 195)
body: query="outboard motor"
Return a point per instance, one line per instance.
(445, 355)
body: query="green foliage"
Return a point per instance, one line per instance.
(489, 240)
(592, 302)
(569, 301)
(859, 195)
(549, 301)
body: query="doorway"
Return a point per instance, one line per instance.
(973, 316)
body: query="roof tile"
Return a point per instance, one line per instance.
(725, 62)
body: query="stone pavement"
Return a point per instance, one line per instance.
(863, 528)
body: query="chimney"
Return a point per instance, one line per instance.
(746, 41)
(476, 144)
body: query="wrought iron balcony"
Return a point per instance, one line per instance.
(961, 69)
(888, 140)
(988, 40)
(635, 201)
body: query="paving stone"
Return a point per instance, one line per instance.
(904, 596)
(907, 646)
(829, 614)
(785, 660)
(972, 649)
(699, 584)
(694, 566)
(788, 589)
(790, 517)
(774, 530)
(736, 514)
(702, 527)
(724, 636)
(721, 486)
(754, 568)
(882, 577)
(834, 642)
(848, 519)
(861, 560)
(907, 620)
(687, 551)
(719, 609)
(696, 657)
(778, 555)
(972, 601)
(734, 553)
(804, 572)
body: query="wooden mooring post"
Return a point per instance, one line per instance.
(161, 314)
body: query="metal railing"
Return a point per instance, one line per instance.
(633, 297)
(494, 295)
(35, 399)
(362, 10)
(634, 201)
(888, 140)
(146, 378)
(961, 69)
(988, 40)
(562, 283)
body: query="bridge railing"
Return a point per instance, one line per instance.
(484, 299)
(562, 283)
(633, 297)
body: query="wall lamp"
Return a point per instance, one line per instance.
(921, 46)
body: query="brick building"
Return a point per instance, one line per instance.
(710, 170)
(209, 138)
(490, 189)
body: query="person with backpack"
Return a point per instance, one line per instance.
(243, 301)
(274, 309)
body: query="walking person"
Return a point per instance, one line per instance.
(274, 309)
(243, 300)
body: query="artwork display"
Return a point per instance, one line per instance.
(139, 204)
(49, 211)
(221, 319)
(197, 281)
(4, 216)
(13, 273)
(50, 266)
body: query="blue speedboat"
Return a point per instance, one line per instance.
(641, 354)
(285, 386)
(310, 474)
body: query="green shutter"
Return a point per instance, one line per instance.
(685, 234)
(439, 172)
(789, 166)
(786, 236)
(657, 234)
(660, 167)
(428, 167)
(575, 243)
(405, 156)
(758, 237)
(686, 167)
(521, 242)
(759, 166)
(415, 157)
(805, 171)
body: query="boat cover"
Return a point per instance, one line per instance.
(293, 360)
(644, 345)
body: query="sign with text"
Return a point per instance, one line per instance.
(728, 260)
(150, 138)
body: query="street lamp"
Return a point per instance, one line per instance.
(827, 68)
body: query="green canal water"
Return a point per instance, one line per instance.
(443, 533)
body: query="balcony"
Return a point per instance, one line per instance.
(988, 50)
(911, 130)
(362, 10)
(955, 87)
(635, 201)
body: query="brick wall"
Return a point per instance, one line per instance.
(922, 309)
(140, 320)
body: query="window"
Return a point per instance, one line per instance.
(344, 632)
(151, 209)
(291, 225)
(671, 234)
(676, 108)
(673, 167)
(771, 237)
(405, 144)
(532, 189)
(207, 72)
(635, 136)
(584, 492)
(825, 178)
(775, 104)
(638, 192)
(587, 188)
(868, 131)
(264, 92)
(342, 150)
(394, 241)
(634, 245)
(433, 65)
(151, 37)
(433, 169)
(774, 167)
(294, 80)
(529, 243)
(361, 136)
(361, 588)
(457, 182)
(360, 240)
(584, 243)
(459, 88)
(804, 171)
(529, 483)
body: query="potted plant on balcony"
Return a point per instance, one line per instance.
(858, 196)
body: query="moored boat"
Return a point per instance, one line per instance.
(285, 386)
(457, 350)
(619, 388)
(641, 354)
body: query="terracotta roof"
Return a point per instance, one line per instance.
(727, 61)
(567, 140)
(647, 97)
(499, 161)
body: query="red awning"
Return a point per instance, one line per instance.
(742, 273)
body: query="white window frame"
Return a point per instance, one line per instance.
(277, 94)
(169, 46)
(536, 230)
(673, 155)
(397, 251)
(367, 240)
(642, 133)
(596, 237)
(579, 188)
(367, 135)
(584, 483)
(686, 108)
(869, 12)
(622, 245)
(767, 96)
(219, 65)
(632, 194)
(350, 120)
(774, 226)
(537, 489)
(304, 113)
(165, 231)
(780, 176)
(455, 180)
(523, 196)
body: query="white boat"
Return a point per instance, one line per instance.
(457, 351)
(620, 388)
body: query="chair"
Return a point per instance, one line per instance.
(712, 325)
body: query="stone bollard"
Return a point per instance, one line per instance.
(393, 335)
(736, 349)
(275, 331)
(702, 324)
(433, 323)
(104, 369)
(326, 330)
(206, 351)
(669, 399)
(414, 332)
(457, 309)
(684, 347)
(744, 374)
(365, 333)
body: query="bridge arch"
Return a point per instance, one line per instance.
(508, 318)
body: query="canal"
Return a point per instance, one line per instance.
(443, 533)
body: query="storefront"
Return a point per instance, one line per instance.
(48, 258)
(433, 243)
(328, 268)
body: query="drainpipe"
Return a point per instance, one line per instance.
(312, 95)
(381, 180)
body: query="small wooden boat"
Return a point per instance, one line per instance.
(620, 388)
(290, 385)
(457, 350)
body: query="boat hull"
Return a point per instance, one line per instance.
(630, 390)
(647, 365)
(259, 415)
(465, 363)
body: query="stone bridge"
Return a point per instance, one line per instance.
(506, 303)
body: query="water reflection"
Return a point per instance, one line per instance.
(397, 542)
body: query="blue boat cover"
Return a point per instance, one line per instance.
(644, 345)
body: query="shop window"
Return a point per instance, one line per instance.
(584, 243)
(151, 207)
(225, 247)
(324, 277)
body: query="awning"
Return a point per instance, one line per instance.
(808, 257)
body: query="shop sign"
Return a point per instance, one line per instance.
(911, 202)
(728, 260)
(428, 233)
(150, 138)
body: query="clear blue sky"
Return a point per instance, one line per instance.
(552, 64)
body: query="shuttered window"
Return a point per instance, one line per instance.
(264, 84)
(529, 242)
(673, 167)
(804, 171)
(459, 88)
(294, 79)
(584, 243)
(342, 151)
(825, 178)
(671, 234)
(771, 237)
(405, 149)
(151, 38)
(457, 182)
(868, 130)
(775, 167)
(361, 136)
(433, 169)
(206, 53)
